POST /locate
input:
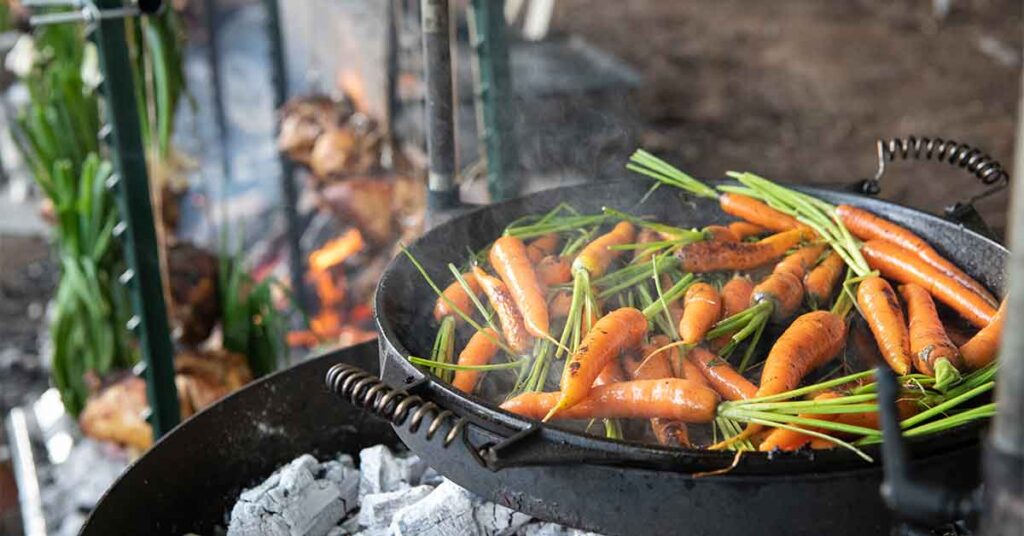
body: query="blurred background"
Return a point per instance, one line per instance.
(285, 153)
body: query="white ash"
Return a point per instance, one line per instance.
(389, 495)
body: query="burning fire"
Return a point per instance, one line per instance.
(333, 323)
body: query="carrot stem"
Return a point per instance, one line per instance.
(814, 433)
(674, 293)
(948, 404)
(453, 367)
(646, 163)
(487, 316)
(752, 345)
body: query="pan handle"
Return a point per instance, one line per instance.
(981, 165)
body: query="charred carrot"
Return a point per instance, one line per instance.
(509, 259)
(596, 256)
(744, 229)
(981, 349)
(868, 226)
(673, 398)
(721, 233)
(619, 330)
(457, 295)
(512, 327)
(478, 351)
(900, 265)
(611, 373)
(820, 282)
(702, 306)
(655, 366)
(554, 270)
(783, 290)
(735, 299)
(800, 261)
(812, 340)
(711, 256)
(541, 247)
(933, 353)
(724, 379)
(881, 309)
(670, 433)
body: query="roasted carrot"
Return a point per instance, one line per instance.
(512, 326)
(675, 307)
(721, 233)
(982, 348)
(478, 351)
(702, 307)
(812, 340)
(735, 298)
(670, 433)
(743, 229)
(900, 265)
(554, 270)
(612, 373)
(595, 257)
(800, 261)
(868, 419)
(559, 304)
(929, 344)
(786, 439)
(654, 366)
(458, 296)
(672, 398)
(711, 255)
(541, 247)
(868, 226)
(509, 259)
(617, 331)
(754, 211)
(820, 282)
(724, 379)
(645, 236)
(881, 309)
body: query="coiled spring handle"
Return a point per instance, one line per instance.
(368, 392)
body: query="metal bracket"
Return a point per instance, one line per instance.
(87, 11)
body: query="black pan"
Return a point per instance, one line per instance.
(190, 479)
(621, 487)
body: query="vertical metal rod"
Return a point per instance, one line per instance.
(293, 226)
(1004, 461)
(494, 97)
(219, 116)
(131, 185)
(436, 21)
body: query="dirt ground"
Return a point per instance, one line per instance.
(800, 90)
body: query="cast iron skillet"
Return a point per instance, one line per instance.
(617, 487)
(190, 479)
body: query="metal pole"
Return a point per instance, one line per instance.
(1004, 462)
(131, 186)
(442, 192)
(293, 227)
(494, 97)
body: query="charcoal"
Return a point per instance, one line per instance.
(451, 510)
(382, 471)
(551, 529)
(377, 509)
(297, 500)
(431, 477)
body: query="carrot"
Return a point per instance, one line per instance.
(702, 306)
(554, 270)
(754, 211)
(675, 307)
(812, 340)
(868, 226)
(721, 233)
(724, 379)
(673, 398)
(670, 433)
(786, 439)
(735, 299)
(509, 259)
(512, 327)
(645, 236)
(541, 247)
(559, 304)
(878, 304)
(595, 257)
(619, 330)
(867, 419)
(900, 265)
(654, 366)
(478, 351)
(981, 349)
(611, 373)
(800, 261)
(929, 344)
(821, 281)
(743, 230)
(783, 290)
(456, 293)
(711, 256)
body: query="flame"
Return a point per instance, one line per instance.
(352, 85)
(336, 251)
